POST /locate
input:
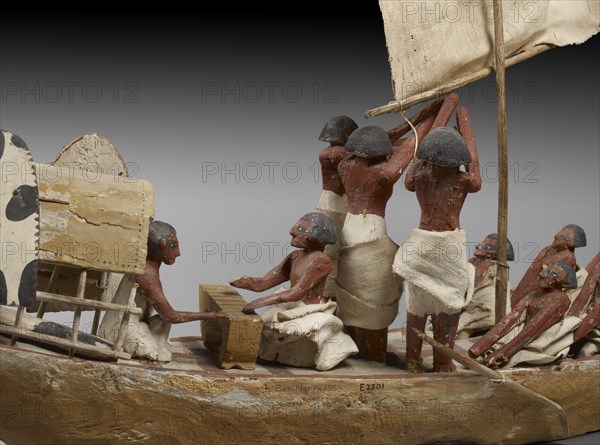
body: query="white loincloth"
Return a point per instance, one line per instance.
(142, 340)
(553, 344)
(335, 207)
(440, 279)
(479, 313)
(368, 292)
(305, 335)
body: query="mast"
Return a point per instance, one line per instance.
(501, 267)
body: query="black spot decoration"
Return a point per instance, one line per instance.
(18, 142)
(1, 143)
(3, 289)
(28, 284)
(23, 203)
(58, 330)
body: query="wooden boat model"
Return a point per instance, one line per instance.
(191, 400)
(80, 399)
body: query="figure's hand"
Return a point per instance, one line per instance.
(243, 282)
(495, 360)
(250, 307)
(214, 315)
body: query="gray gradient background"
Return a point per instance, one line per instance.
(168, 129)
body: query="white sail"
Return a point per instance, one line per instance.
(437, 46)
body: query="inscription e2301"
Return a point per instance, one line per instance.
(371, 386)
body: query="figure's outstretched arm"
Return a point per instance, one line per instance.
(473, 174)
(555, 308)
(589, 322)
(279, 274)
(530, 279)
(499, 330)
(587, 289)
(151, 287)
(317, 271)
(401, 157)
(406, 151)
(409, 179)
(397, 132)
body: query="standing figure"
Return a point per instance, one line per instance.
(534, 331)
(301, 330)
(334, 202)
(479, 314)
(367, 291)
(434, 259)
(147, 336)
(562, 249)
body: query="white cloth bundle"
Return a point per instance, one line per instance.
(305, 335)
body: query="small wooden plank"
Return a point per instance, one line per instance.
(237, 338)
(87, 304)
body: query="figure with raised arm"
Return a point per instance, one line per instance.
(433, 261)
(368, 292)
(147, 336)
(334, 202)
(538, 330)
(301, 330)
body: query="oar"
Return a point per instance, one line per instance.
(495, 375)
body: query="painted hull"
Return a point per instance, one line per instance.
(49, 399)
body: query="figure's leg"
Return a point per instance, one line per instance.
(377, 344)
(444, 331)
(371, 343)
(414, 361)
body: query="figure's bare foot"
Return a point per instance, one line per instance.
(415, 366)
(445, 368)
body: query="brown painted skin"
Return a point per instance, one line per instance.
(150, 285)
(306, 269)
(483, 259)
(441, 193)
(584, 300)
(330, 158)
(543, 308)
(559, 250)
(369, 183)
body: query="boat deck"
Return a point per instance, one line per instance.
(190, 356)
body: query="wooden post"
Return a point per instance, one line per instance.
(103, 286)
(502, 268)
(42, 309)
(77, 315)
(18, 316)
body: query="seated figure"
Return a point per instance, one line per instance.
(536, 331)
(146, 336)
(301, 330)
(562, 249)
(479, 315)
